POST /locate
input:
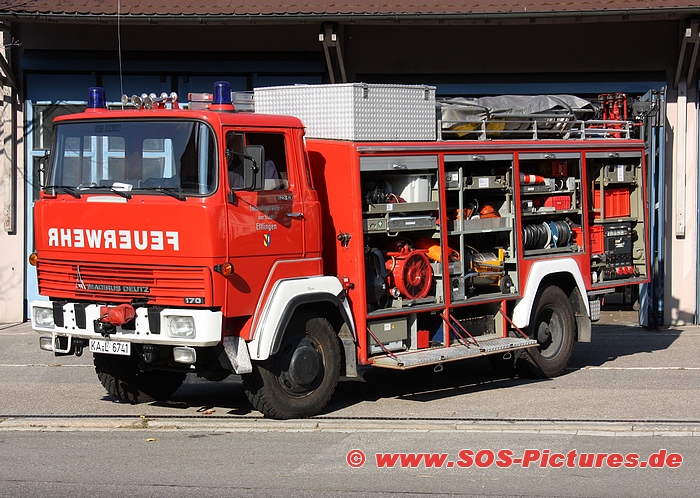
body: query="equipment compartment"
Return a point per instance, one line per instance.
(550, 202)
(617, 219)
(480, 220)
(400, 221)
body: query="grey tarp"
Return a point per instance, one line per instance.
(514, 112)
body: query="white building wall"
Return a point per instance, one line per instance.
(681, 237)
(12, 269)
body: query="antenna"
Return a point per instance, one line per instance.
(119, 43)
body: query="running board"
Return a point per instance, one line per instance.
(423, 357)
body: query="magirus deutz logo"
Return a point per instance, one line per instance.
(81, 285)
(115, 288)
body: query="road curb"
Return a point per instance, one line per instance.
(580, 428)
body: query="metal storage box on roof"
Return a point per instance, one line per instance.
(355, 111)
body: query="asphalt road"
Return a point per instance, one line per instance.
(625, 373)
(227, 462)
(630, 391)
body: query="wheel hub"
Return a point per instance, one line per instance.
(544, 335)
(550, 334)
(304, 365)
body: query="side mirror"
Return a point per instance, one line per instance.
(41, 170)
(254, 167)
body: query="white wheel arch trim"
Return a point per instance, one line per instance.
(538, 271)
(283, 292)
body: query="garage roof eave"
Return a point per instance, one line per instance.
(10, 16)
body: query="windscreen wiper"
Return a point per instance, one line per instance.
(51, 190)
(124, 194)
(169, 191)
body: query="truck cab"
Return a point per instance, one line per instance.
(161, 230)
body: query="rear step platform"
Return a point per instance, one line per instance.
(434, 356)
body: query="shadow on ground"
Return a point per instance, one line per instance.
(610, 341)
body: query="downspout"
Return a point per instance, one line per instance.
(651, 295)
(661, 211)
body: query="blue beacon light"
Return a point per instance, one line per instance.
(222, 97)
(96, 98)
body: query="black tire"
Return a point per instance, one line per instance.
(299, 380)
(553, 326)
(122, 379)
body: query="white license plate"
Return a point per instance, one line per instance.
(110, 347)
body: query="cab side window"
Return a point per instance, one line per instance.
(275, 158)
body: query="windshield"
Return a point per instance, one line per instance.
(135, 155)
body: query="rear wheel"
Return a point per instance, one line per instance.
(553, 326)
(123, 379)
(298, 380)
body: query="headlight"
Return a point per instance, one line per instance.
(181, 327)
(43, 317)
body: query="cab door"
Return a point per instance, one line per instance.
(265, 229)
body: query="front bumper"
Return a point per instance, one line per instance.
(150, 326)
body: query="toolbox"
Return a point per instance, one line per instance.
(355, 111)
(412, 188)
(597, 239)
(619, 173)
(416, 222)
(392, 333)
(483, 182)
(558, 202)
(617, 202)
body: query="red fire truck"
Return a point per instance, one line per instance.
(369, 230)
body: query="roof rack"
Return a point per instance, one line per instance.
(531, 117)
(533, 127)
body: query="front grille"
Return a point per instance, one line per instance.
(165, 286)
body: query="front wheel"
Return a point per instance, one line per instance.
(553, 326)
(298, 380)
(123, 379)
